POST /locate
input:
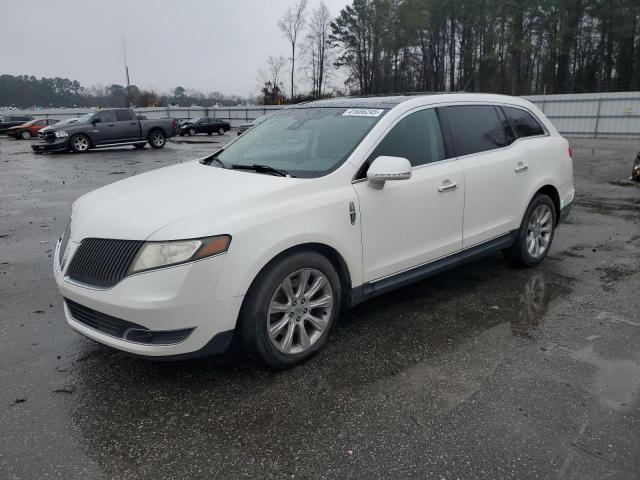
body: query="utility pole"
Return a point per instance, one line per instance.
(126, 70)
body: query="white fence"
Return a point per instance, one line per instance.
(595, 115)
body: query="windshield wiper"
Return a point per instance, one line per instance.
(262, 168)
(210, 160)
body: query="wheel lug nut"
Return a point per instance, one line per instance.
(305, 311)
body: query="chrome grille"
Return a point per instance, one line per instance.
(102, 262)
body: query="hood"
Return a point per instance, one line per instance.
(202, 198)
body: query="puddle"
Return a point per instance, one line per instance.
(616, 383)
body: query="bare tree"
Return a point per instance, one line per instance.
(270, 79)
(291, 24)
(318, 48)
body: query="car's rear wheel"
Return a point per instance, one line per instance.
(291, 309)
(192, 132)
(157, 139)
(221, 131)
(535, 234)
(79, 143)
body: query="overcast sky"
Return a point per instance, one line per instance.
(209, 45)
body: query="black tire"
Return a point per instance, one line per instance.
(518, 254)
(253, 318)
(221, 131)
(79, 143)
(157, 139)
(25, 134)
(192, 132)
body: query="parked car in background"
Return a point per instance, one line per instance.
(246, 126)
(8, 121)
(42, 132)
(107, 128)
(326, 205)
(30, 129)
(208, 125)
(635, 171)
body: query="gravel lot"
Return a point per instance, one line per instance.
(481, 372)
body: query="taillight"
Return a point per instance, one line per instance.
(173, 124)
(570, 152)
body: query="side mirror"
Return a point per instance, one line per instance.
(385, 168)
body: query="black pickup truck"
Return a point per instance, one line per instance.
(107, 128)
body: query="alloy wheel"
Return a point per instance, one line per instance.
(299, 311)
(157, 139)
(539, 231)
(80, 143)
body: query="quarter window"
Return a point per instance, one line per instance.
(476, 128)
(416, 137)
(524, 123)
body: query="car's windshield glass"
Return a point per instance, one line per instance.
(85, 118)
(306, 142)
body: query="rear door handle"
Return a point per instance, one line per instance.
(522, 167)
(447, 185)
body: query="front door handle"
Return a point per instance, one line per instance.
(447, 185)
(522, 167)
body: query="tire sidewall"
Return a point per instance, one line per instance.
(254, 311)
(73, 148)
(153, 145)
(538, 200)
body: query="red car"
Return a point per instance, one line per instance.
(30, 129)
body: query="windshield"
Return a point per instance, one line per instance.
(85, 118)
(306, 142)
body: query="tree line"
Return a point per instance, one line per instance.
(517, 47)
(25, 91)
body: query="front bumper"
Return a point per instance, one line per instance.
(169, 299)
(55, 146)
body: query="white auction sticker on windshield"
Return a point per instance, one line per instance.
(362, 112)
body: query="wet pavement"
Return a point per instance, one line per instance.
(481, 372)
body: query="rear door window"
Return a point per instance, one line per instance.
(417, 137)
(476, 128)
(524, 123)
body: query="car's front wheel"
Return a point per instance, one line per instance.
(291, 309)
(25, 134)
(79, 143)
(535, 234)
(221, 131)
(192, 132)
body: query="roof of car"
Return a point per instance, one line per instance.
(422, 98)
(357, 102)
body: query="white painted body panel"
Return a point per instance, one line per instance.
(405, 224)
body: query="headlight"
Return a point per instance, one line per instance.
(61, 134)
(163, 254)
